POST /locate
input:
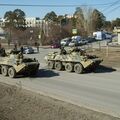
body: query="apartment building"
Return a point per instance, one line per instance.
(33, 22)
(30, 22)
(2, 22)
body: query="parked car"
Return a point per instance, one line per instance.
(108, 35)
(55, 45)
(73, 43)
(82, 42)
(77, 38)
(28, 50)
(91, 39)
(65, 41)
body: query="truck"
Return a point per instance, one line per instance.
(101, 35)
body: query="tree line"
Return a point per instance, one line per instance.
(86, 20)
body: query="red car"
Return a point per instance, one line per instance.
(55, 45)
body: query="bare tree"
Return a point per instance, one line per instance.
(84, 22)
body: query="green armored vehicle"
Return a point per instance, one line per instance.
(72, 60)
(15, 63)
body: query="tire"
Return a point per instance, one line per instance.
(78, 68)
(58, 66)
(11, 72)
(4, 70)
(69, 67)
(50, 64)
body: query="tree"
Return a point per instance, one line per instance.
(79, 17)
(116, 22)
(20, 18)
(107, 26)
(83, 20)
(62, 20)
(51, 16)
(98, 20)
(14, 21)
(73, 22)
(77, 20)
(9, 19)
(57, 26)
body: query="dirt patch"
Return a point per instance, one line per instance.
(110, 56)
(19, 104)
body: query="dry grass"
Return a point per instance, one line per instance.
(110, 56)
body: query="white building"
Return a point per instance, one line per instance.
(30, 22)
(69, 16)
(117, 30)
(2, 22)
(2, 34)
(33, 22)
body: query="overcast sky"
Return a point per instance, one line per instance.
(110, 8)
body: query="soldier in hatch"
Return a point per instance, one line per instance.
(63, 51)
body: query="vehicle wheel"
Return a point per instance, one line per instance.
(78, 68)
(4, 70)
(58, 65)
(50, 64)
(69, 67)
(11, 72)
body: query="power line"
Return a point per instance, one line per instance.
(30, 5)
(113, 4)
(113, 9)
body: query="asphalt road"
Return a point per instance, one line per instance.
(98, 91)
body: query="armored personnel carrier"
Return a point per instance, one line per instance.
(15, 63)
(72, 60)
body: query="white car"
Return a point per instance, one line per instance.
(77, 38)
(82, 42)
(65, 41)
(73, 43)
(28, 50)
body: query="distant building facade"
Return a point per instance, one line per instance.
(2, 22)
(29, 21)
(2, 34)
(33, 22)
(116, 29)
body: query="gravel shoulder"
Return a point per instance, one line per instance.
(20, 104)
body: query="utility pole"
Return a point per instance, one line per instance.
(41, 33)
(31, 36)
(9, 36)
(60, 26)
